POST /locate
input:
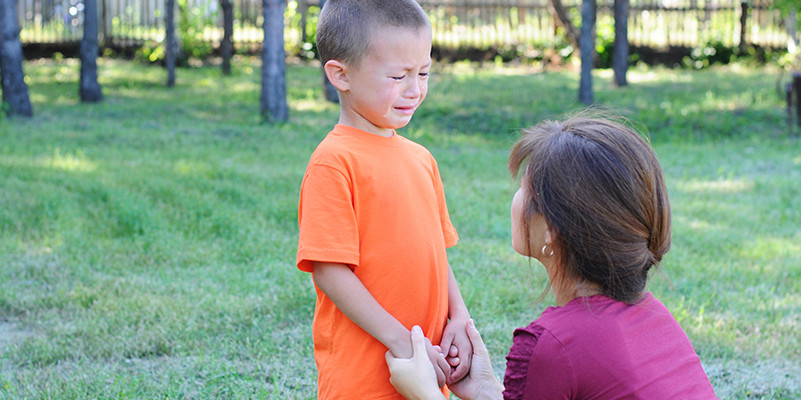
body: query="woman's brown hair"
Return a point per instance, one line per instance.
(599, 186)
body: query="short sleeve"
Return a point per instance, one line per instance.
(448, 231)
(328, 230)
(550, 372)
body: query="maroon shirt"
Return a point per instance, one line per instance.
(599, 348)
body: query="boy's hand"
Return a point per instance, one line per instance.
(459, 349)
(481, 382)
(441, 367)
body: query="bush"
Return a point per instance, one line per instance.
(307, 49)
(712, 52)
(192, 22)
(605, 44)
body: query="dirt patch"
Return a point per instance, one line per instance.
(761, 378)
(11, 334)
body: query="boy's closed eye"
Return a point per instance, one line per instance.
(400, 78)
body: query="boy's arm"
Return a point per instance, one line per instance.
(455, 334)
(342, 286)
(456, 307)
(345, 289)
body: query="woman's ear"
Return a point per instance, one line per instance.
(548, 234)
(549, 238)
(336, 71)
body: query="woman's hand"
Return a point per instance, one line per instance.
(414, 378)
(480, 382)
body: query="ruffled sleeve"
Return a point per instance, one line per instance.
(537, 367)
(518, 361)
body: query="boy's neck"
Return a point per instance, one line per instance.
(365, 126)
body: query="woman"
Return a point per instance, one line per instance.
(593, 209)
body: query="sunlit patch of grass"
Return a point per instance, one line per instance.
(769, 248)
(717, 186)
(68, 162)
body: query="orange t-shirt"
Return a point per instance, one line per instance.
(376, 204)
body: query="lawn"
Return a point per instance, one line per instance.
(147, 242)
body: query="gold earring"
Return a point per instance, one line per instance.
(545, 251)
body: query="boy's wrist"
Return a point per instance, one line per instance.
(459, 314)
(400, 344)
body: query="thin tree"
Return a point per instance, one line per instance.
(12, 79)
(329, 90)
(620, 48)
(562, 18)
(587, 46)
(90, 90)
(171, 45)
(273, 74)
(227, 44)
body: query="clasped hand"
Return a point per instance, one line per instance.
(416, 379)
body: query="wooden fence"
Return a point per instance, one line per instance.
(456, 23)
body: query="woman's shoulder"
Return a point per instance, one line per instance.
(588, 315)
(599, 313)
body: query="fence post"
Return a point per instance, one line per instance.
(171, 42)
(102, 22)
(743, 24)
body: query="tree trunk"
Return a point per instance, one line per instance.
(331, 93)
(227, 44)
(273, 75)
(797, 90)
(620, 51)
(563, 19)
(90, 90)
(587, 41)
(171, 45)
(12, 79)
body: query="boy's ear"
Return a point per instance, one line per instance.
(336, 71)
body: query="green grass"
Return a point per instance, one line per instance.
(147, 242)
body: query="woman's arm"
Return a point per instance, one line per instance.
(414, 377)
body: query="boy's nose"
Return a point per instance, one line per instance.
(414, 89)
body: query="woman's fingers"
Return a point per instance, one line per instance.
(479, 348)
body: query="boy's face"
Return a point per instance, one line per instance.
(391, 81)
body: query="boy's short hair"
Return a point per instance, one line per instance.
(345, 27)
